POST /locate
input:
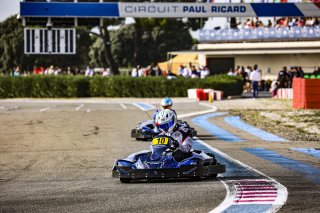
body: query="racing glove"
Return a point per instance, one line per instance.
(175, 143)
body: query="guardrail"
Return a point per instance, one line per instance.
(261, 33)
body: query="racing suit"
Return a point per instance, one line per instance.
(182, 141)
(182, 134)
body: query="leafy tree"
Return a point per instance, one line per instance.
(11, 44)
(190, 23)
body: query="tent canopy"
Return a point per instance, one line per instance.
(180, 59)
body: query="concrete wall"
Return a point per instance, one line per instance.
(274, 63)
(202, 59)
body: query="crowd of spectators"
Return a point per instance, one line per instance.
(284, 78)
(192, 72)
(187, 71)
(55, 70)
(151, 70)
(252, 23)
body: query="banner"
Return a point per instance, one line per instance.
(167, 10)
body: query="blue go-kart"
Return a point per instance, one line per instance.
(160, 163)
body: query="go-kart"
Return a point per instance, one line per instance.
(160, 163)
(148, 130)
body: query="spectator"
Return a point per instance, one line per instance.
(310, 21)
(16, 71)
(316, 71)
(36, 70)
(134, 72)
(153, 70)
(291, 74)
(291, 22)
(180, 70)
(50, 70)
(283, 78)
(57, 71)
(194, 72)
(204, 72)
(106, 72)
(299, 73)
(231, 72)
(186, 72)
(141, 71)
(255, 78)
(158, 71)
(89, 72)
(245, 78)
(237, 70)
(300, 22)
(171, 75)
(274, 88)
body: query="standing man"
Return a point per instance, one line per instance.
(255, 78)
(283, 78)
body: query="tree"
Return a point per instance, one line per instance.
(190, 23)
(11, 44)
(158, 37)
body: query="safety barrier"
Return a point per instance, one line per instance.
(205, 94)
(261, 33)
(306, 93)
(284, 93)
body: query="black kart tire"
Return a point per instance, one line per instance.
(213, 176)
(141, 139)
(125, 180)
(214, 162)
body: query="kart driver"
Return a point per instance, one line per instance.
(166, 103)
(166, 120)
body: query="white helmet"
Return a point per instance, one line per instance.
(166, 103)
(166, 120)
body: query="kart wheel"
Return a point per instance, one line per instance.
(214, 158)
(125, 180)
(213, 176)
(197, 178)
(141, 139)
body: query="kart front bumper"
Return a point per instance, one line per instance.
(189, 171)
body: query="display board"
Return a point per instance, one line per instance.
(49, 41)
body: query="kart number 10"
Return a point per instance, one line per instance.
(160, 141)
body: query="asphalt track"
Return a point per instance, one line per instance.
(56, 156)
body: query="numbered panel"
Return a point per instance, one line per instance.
(45, 41)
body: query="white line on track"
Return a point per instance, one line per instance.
(44, 109)
(79, 107)
(282, 193)
(88, 110)
(123, 106)
(206, 105)
(213, 109)
(143, 106)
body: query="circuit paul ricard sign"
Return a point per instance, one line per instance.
(170, 10)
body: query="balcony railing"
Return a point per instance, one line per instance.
(260, 34)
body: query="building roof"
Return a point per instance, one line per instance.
(256, 48)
